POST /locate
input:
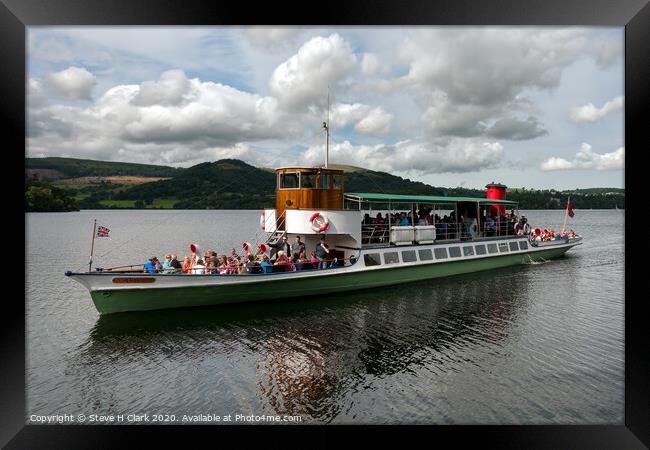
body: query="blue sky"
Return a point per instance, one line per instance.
(535, 107)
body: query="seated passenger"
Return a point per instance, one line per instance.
(223, 267)
(232, 267)
(234, 255)
(187, 264)
(403, 219)
(303, 262)
(251, 266)
(281, 262)
(314, 260)
(152, 265)
(211, 266)
(266, 265)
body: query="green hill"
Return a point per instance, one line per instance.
(224, 184)
(73, 168)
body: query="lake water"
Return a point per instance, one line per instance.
(535, 344)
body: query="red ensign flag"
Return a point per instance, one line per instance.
(569, 208)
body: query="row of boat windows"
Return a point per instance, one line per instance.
(426, 254)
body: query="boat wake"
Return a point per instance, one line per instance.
(537, 261)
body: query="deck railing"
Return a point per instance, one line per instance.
(380, 234)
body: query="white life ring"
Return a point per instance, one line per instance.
(263, 220)
(319, 225)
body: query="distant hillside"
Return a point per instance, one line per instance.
(57, 168)
(224, 184)
(233, 184)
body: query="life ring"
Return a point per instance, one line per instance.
(263, 220)
(325, 223)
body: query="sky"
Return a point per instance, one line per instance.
(534, 107)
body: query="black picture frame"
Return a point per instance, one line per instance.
(634, 15)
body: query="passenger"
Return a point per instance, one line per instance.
(314, 260)
(267, 267)
(232, 266)
(303, 262)
(572, 235)
(223, 267)
(173, 266)
(291, 267)
(152, 265)
(187, 264)
(168, 262)
(281, 263)
(198, 268)
(322, 252)
(282, 246)
(403, 219)
(297, 249)
(251, 266)
(211, 266)
(176, 263)
(234, 255)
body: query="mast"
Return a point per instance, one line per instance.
(326, 125)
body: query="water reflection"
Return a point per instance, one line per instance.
(309, 355)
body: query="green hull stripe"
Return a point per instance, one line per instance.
(123, 300)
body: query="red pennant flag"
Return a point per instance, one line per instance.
(569, 208)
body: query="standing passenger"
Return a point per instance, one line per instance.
(322, 253)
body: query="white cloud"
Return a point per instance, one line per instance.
(169, 90)
(456, 156)
(73, 83)
(376, 122)
(590, 113)
(367, 120)
(171, 120)
(585, 159)
(462, 79)
(303, 79)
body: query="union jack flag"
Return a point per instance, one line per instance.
(102, 231)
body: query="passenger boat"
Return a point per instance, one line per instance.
(311, 202)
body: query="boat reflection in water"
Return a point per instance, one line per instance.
(313, 358)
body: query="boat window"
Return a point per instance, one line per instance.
(289, 181)
(454, 252)
(425, 255)
(503, 247)
(307, 180)
(391, 257)
(480, 249)
(323, 181)
(523, 245)
(371, 259)
(492, 248)
(468, 250)
(513, 247)
(441, 253)
(409, 256)
(336, 181)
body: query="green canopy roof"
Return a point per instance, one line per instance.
(422, 198)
